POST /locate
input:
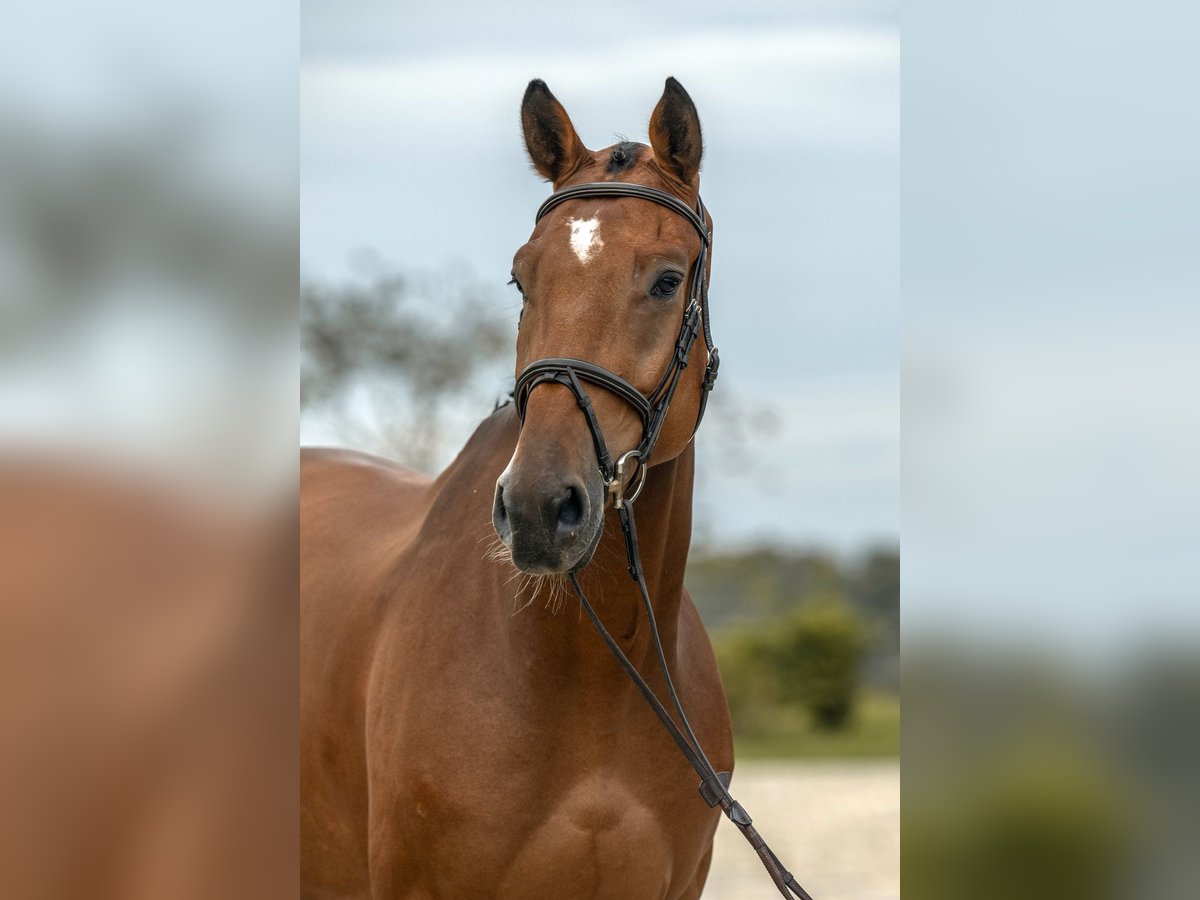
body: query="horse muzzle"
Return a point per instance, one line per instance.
(550, 524)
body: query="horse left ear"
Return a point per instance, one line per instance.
(553, 144)
(675, 132)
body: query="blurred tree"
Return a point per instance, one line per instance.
(759, 584)
(751, 684)
(818, 653)
(388, 361)
(810, 659)
(763, 586)
(874, 587)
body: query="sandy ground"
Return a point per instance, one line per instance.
(835, 825)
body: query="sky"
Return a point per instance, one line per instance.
(411, 147)
(1050, 277)
(1048, 256)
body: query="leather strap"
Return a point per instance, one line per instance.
(623, 189)
(551, 368)
(714, 786)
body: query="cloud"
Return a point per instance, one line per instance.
(828, 87)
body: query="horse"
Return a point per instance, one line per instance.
(459, 739)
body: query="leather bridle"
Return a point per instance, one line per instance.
(651, 409)
(618, 479)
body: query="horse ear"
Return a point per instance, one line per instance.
(675, 132)
(554, 147)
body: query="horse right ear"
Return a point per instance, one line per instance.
(554, 147)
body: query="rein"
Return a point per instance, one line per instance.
(619, 478)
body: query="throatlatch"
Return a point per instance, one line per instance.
(623, 484)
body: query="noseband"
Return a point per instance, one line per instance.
(652, 409)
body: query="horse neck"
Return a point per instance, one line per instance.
(566, 641)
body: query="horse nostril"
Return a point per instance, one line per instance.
(500, 515)
(570, 510)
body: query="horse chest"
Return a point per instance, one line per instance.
(595, 836)
(526, 786)
(563, 813)
(595, 839)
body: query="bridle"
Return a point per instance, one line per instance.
(618, 479)
(652, 408)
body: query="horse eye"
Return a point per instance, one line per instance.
(517, 284)
(666, 285)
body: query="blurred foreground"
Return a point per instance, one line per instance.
(147, 453)
(148, 679)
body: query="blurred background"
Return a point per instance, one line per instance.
(148, 283)
(149, 163)
(416, 192)
(1051, 607)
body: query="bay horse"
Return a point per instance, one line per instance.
(457, 738)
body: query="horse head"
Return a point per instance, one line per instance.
(607, 280)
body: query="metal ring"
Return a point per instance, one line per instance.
(641, 483)
(616, 487)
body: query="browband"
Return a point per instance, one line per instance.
(622, 189)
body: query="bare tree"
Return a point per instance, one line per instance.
(395, 361)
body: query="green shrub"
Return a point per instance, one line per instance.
(818, 652)
(808, 660)
(747, 671)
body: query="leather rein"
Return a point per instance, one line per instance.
(620, 475)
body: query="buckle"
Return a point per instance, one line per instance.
(615, 486)
(710, 371)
